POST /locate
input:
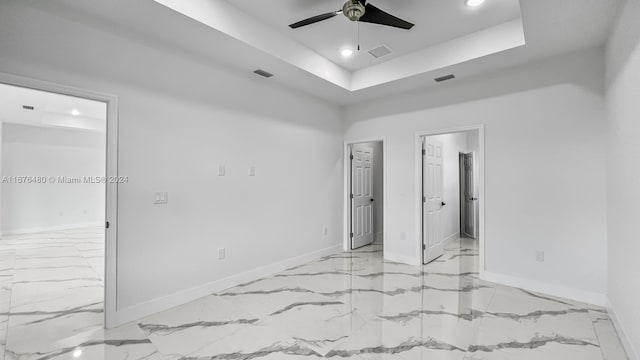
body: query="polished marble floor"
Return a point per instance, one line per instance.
(350, 305)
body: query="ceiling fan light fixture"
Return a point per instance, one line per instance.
(474, 3)
(353, 10)
(358, 11)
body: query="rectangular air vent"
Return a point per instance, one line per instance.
(445, 78)
(263, 73)
(27, 107)
(380, 51)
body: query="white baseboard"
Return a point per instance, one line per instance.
(40, 229)
(632, 353)
(135, 312)
(546, 288)
(401, 258)
(450, 238)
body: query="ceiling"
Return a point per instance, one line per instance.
(50, 109)
(458, 37)
(233, 34)
(436, 21)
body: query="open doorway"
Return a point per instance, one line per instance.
(450, 189)
(468, 199)
(58, 199)
(365, 194)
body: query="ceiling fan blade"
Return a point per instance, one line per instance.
(376, 16)
(314, 19)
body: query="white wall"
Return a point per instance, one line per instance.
(180, 117)
(623, 93)
(545, 149)
(39, 151)
(453, 145)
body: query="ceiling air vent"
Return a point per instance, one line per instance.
(445, 78)
(380, 51)
(263, 73)
(27, 107)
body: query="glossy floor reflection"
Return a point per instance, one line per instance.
(347, 306)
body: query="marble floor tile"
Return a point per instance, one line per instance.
(526, 325)
(187, 328)
(50, 292)
(255, 341)
(607, 336)
(124, 343)
(350, 305)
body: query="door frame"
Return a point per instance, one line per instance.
(460, 194)
(111, 189)
(346, 222)
(481, 186)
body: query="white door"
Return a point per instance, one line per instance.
(361, 195)
(432, 189)
(470, 200)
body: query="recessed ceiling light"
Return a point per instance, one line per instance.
(77, 353)
(474, 3)
(346, 52)
(75, 112)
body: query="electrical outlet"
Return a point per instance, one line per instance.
(540, 256)
(222, 253)
(161, 198)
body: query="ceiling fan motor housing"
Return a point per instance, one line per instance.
(353, 10)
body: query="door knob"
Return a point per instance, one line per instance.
(443, 203)
(372, 200)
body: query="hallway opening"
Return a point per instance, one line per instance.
(56, 191)
(449, 189)
(365, 193)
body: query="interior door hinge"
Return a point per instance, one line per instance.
(424, 247)
(352, 196)
(424, 199)
(106, 225)
(424, 152)
(351, 156)
(351, 234)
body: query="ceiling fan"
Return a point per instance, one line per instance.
(359, 10)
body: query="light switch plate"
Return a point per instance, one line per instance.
(222, 253)
(222, 170)
(252, 171)
(161, 198)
